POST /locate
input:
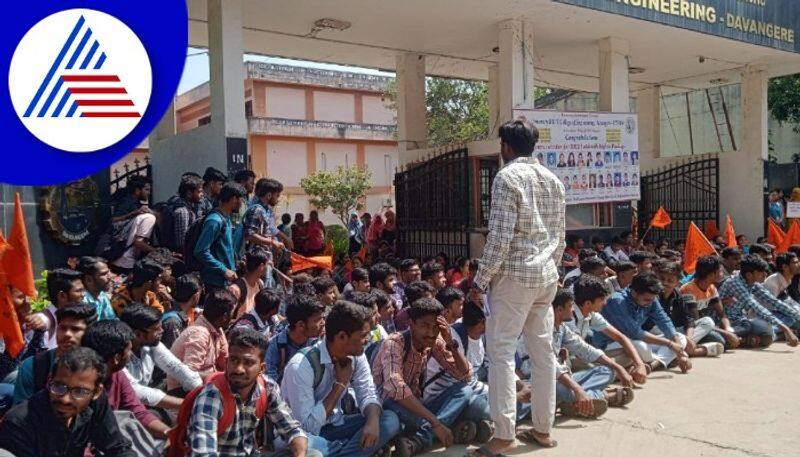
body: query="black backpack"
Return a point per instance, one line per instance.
(114, 242)
(192, 236)
(166, 223)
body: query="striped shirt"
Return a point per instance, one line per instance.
(474, 356)
(755, 298)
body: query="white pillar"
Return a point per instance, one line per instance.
(648, 106)
(494, 100)
(166, 128)
(741, 184)
(613, 63)
(226, 67)
(516, 82)
(412, 129)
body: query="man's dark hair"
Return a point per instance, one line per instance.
(752, 263)
(622, 267)
(472, 315)
(596, 240)
(137, 182)
(60, 280)
(760, 249)
(670, 268)
(256, 257)
(266, 186)
(617, 240)
(300, 308)
(268, 300)
(107, 338)
(379, 272)
(78, 311)
(641, 256)
(188, 185)
(242, 176)
(365, 299)
(589, 288)
(417, 290)
(784, 260)
(425, 307)
(571, 239)
(520, 135)
(381, 298)
(593, 265)
(213, 175)
(140, 317)
(145, 270)
(218, 302)
(80, 359)
(586, 253)
(347, 317)
(185, 287)
(230, 191)
(191, 174)
(286, 218)
(430, 269)
(162, 256)
(322, 284)
(88, 265)
(563, 298)
(246, 337)
(646, 283)
(729, 252)
(706, 266)
(407, 264)
(448, 295)
(359, 274)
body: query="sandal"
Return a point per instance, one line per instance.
(600, 406)
(464, 432)
(482, 451)
(484, 431)
(529, 437)
(619, 396)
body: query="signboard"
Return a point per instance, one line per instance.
(595, 155)
(771, 23)
(793, 210)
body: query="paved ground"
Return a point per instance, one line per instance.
(742, 404)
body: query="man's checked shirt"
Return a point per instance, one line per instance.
(755, 298)
(239, 440)
(526, 226)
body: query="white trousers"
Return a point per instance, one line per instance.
(517, 310)
(647, 352)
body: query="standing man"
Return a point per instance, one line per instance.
(214, 248)
(259, 224)
(519, 270)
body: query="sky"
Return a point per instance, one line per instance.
(196, 70)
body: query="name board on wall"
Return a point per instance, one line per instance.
(771, 23)
(595, 155)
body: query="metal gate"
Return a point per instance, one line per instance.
(688, 191)
(433, 206)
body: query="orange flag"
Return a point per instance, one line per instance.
(362, 253)
(792, 238)
(710, 229)
(300, 263)
(697, 245)
(730, 233)
(775, 233)
(16, 262)
(661, 219)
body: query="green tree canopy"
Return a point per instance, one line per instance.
(784, 99)
(339, 190)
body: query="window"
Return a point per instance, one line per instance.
(248, 108)
(204, 121)
(591, 215)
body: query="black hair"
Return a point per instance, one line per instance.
(752, 263)
(617, 240)
(474, 265)
(472, 315)
(379, 272)
(213, 175)
(359, 274)
(322, 284)
(760, 249)
(80, 359)
(597, 239)
(622, 267)
(218, 302)
(646, 283)
(382, 299)
(640, 256)
(256, 257)
(303, 288)
(347, 317)
(729, 252)
(137, 182)
(60, 280)
(417, 289)
(425, 307)
(140, 317)
(230, 191)
(188, 185)
(185, 287)
(365, 299)
(268, 301)
(88, 265)
(286, 218)
(266, 186)
(448, 295)
(705, 266)
(585, 253)
(430, 269)
(192, 174)
(107, 338)
(589, 288)
(242, 176)
(246, 337)
(145, 270)
(162, 256)
(300, 308)
(784, 260)
(407, 264)
(592, 264)
(672, 268)
(563, 298)
(79, 311)
(571, 239)
(520, 135)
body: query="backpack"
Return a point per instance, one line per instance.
(192, 236)
(41, 370)
(179, 434)
(114, 242)
(311, 354)
(166, 222)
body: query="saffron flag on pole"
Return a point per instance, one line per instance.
(792, 237)
(710, 229)
(775, 233)
(300, 263)
(661, 219)
(730, 233)
(697, 245)
(17, 272)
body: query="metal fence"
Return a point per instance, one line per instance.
(433, 206)
(689, 191)
(119, 178)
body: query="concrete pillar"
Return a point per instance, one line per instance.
(742, 172)
(515, 74)
(412, 127)
(648, 105)
(167, 127)
(613, 63)
(494, 100)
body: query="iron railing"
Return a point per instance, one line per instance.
(119, 178)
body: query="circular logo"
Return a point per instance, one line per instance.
(70, 211)
(80, 80)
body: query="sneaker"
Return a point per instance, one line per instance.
(484, 431)
(714, 349)
(600, 408)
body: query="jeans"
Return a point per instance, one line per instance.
(345, 439)
(478, 407)
(593, 381)
(447, 406)
(6, 397)
(758, 327)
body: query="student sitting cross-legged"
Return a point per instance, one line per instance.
(398, 370)
(318, 377)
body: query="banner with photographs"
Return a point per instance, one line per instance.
(595, 155)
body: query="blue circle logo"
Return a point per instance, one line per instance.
(87, 83)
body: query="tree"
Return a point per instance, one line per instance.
(338, 190)
(784, 99)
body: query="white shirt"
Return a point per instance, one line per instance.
(474, 356)
(140, 372)
(572, 273)
(776, 284)
(585, 325)
(620, 255)
(141, 227)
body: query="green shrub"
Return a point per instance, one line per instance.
(340, 238)
(41, 302)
